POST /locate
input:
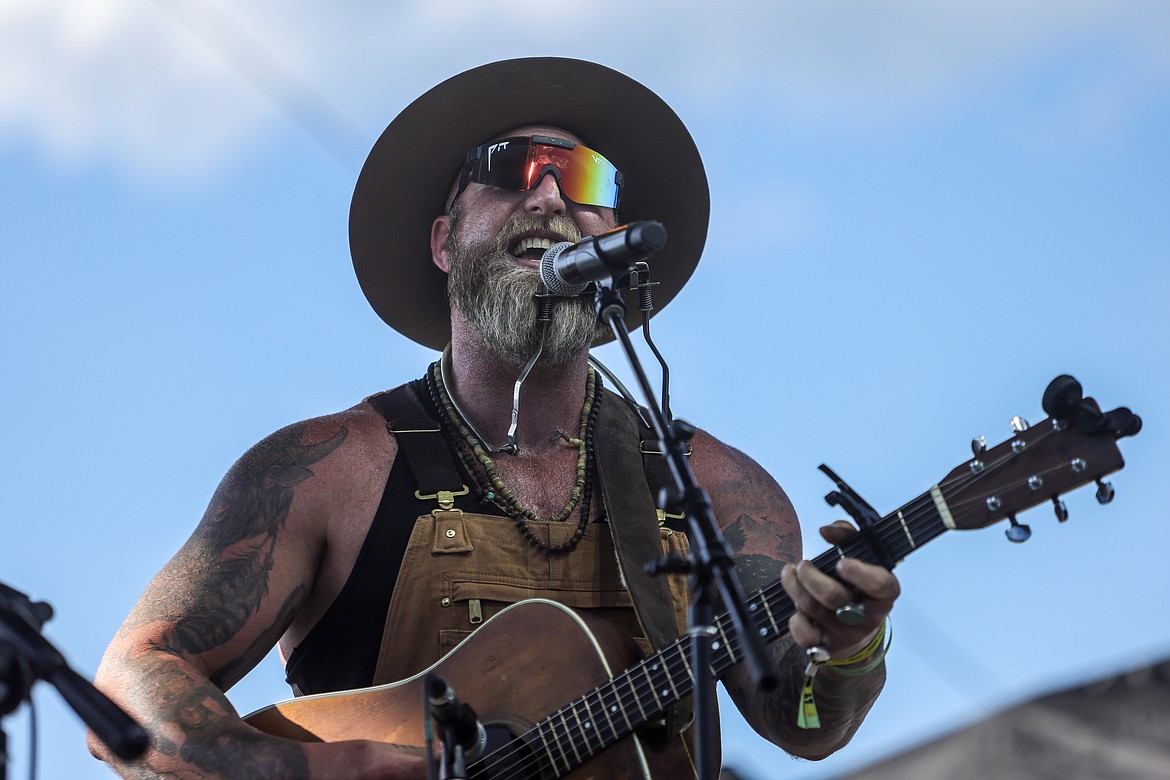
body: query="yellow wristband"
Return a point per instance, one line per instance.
(865, 652)
(874, 660)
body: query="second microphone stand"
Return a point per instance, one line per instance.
(711, 568)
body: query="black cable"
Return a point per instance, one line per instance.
(32, 739)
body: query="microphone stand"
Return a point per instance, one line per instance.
(710, 565)
(26, 656)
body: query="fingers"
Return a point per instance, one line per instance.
(814, 593)
(817, 596)
(837, 532)
(804, 631)
(876, 582)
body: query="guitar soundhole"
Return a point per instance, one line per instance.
(506, 757)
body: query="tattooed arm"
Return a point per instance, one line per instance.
(760, 526)
(223, 601)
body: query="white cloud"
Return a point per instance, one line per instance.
(176, 86)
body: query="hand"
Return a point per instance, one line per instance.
(817, 597)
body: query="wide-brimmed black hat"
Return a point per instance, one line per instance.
(408, 175)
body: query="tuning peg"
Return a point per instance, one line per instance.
(1017, 532)
(1060, 509)
(979, 445)
(1062, 397)
(1122, 422)
(1105, 492)
(1018, 424)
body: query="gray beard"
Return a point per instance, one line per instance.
(496, 296)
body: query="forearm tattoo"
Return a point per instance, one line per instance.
(187, 743)
(760, 552)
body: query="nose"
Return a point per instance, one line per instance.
(545, 197)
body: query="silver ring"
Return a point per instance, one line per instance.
(818, 654)
(851, 613)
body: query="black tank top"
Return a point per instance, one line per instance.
(341, 651)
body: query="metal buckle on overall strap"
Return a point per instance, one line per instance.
(446, 499)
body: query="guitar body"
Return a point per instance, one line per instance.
(518, 668)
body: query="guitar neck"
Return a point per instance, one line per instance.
(643, 692)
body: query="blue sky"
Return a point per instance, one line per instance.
(921, 213)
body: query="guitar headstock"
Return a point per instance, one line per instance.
(1075, 445)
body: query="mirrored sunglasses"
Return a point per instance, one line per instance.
(519, 163)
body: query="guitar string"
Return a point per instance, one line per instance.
(912, 517)
(629, 690)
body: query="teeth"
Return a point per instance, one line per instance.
(532, 243)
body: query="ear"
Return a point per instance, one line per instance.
(440, 234)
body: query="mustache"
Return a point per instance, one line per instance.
(522, 224)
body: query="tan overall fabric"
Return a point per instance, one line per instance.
(461, 569)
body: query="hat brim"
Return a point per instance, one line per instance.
(407, 176)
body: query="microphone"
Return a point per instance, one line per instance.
(567, 269)
(456, 718)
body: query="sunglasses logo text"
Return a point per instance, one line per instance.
(501, 146)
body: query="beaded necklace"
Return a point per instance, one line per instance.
(500, 494)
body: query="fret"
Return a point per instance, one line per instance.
(721, 645)
(660, 680)
(599, 724)
(559, 738)
(568, 734)
(764, 631)
(584, 726)
(654, 693)
(768, 612)
(633, 692)
(605, 711)
(919, 521)
(548, 751)
(682, 653)
(669, 681)
(909, 536)
(613, 708)
(617, 707)
(543, 758)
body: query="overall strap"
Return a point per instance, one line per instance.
(632, 519)
(658, 474)
(420, 439)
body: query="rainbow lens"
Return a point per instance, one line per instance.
(585, 176)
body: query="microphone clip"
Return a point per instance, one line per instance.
(462, 737)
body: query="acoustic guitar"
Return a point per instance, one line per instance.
(563, 695)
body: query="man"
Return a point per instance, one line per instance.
(326, 536)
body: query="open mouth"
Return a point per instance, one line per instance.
(532, 248)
